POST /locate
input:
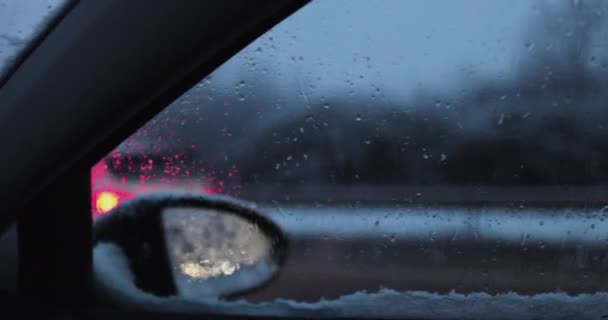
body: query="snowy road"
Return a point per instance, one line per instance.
(339, 250)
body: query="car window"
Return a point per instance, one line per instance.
(436, 146)
(20, 23)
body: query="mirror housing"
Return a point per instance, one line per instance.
(145, 227)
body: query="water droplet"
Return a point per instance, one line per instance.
(501, 119)
(529, 46)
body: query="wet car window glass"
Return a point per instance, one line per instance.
(414, 145)
(20, 22)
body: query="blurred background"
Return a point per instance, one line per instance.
(428, 145)
(368, 98)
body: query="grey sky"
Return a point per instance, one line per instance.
(397, 46)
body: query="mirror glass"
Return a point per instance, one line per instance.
(214, 253)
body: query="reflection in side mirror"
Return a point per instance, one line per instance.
(193, 246)
(215, 253)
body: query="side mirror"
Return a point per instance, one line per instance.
(194, 246)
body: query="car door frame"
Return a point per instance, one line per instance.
(101, 72)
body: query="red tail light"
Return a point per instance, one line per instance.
(106, 201)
